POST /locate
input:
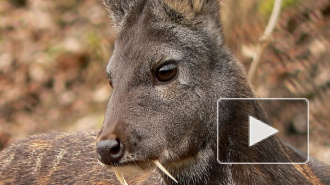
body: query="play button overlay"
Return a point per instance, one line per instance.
(262, 130)
(259, 131)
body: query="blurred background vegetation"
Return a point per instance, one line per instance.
(53, 56)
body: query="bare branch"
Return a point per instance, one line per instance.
(264, 40)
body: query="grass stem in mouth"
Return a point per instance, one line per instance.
(121, 178)
(161, 167)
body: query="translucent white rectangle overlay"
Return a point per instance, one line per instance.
(289, 99)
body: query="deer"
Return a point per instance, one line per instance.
(169, 67)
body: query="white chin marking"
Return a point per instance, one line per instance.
(131, 170)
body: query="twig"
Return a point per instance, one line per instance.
(264, 40)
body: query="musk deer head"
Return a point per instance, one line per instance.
(168, 69)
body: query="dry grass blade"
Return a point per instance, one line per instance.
(161, 167)
(121, 178)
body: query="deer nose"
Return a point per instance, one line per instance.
(110, 151)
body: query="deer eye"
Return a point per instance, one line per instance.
(166, 72)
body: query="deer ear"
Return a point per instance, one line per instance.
(191, 9)
(117, 10)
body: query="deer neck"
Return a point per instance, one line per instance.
(205, 169)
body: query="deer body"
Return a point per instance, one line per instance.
(168, 70)
(58, 158)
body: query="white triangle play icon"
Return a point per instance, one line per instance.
(259, 131)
